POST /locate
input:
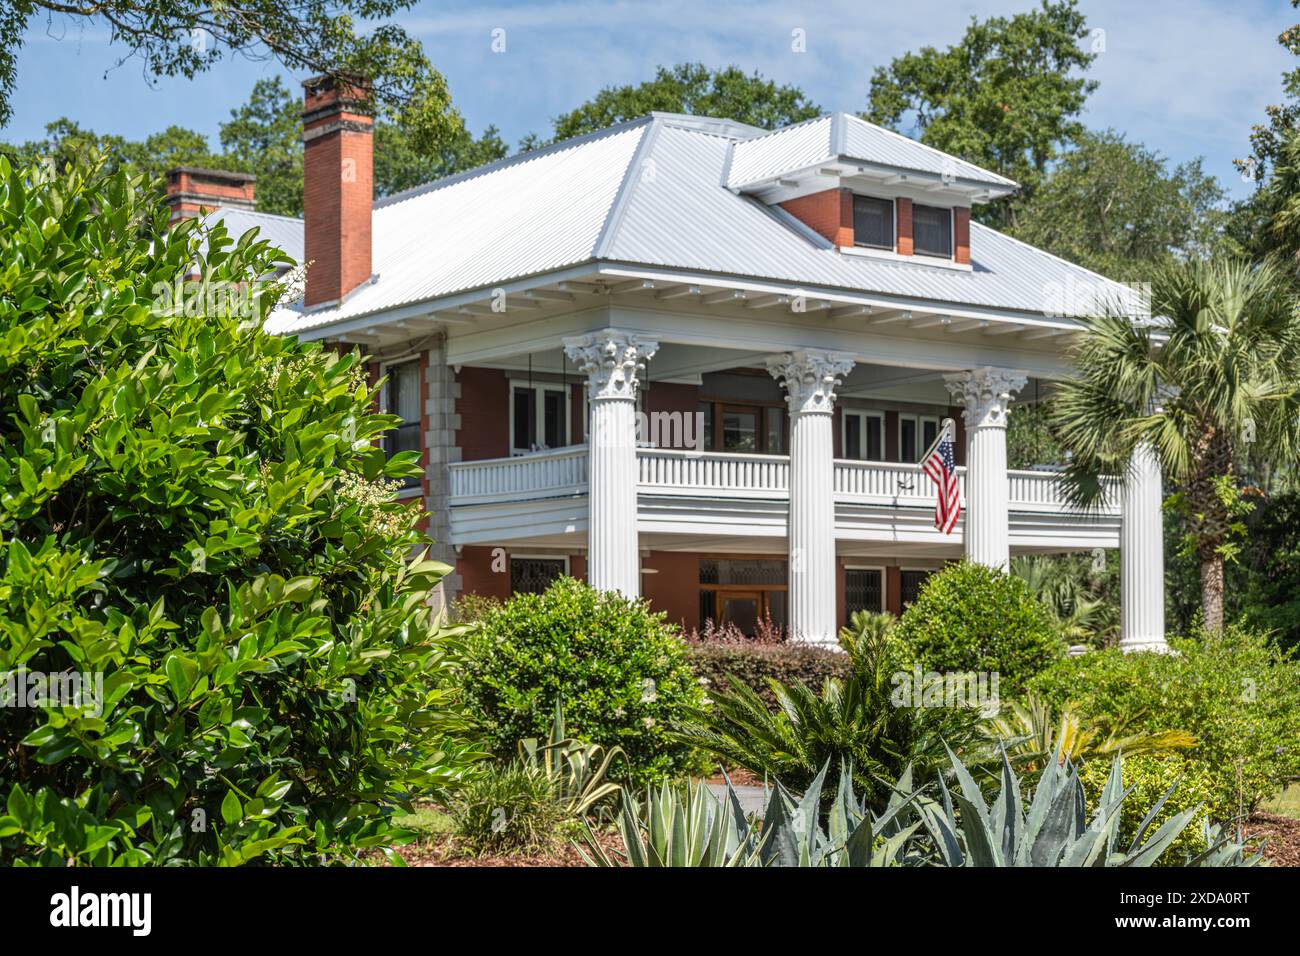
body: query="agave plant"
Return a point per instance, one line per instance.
(575, 769)
(1056, 830)
(691, 826)
(1032, 735)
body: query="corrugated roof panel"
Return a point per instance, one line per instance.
(875, 144)
(284, 232)
(681, 219)
(785, 150)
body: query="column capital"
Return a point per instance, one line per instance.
(611, 360)
(810, 377)
(985, 394)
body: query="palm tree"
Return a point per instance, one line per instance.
(1211, 384)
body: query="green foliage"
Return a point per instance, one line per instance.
(972, 618)
(196, 513)
(619, 670)
(1081, 597)
(1215, 385)
(754, 665)
(857, 722)
(1270, 592)
(1150, 776)
(1114, 207)
(187, 37)
(1005, 97)
(1238, 694)
(1055, 830)
(264, 137)
(690, 826)
(510, 809)
(1031, 733)
(728, 93)
(575, 770)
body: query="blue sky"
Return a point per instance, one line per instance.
(1186, 77)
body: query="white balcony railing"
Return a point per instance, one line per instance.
(716, 475)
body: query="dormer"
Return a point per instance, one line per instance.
(867, 190)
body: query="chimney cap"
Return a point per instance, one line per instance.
(226, 174)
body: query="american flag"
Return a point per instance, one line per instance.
(940, 464)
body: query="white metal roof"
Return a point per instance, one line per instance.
(844, 136)
(652, 193)
(284, 232)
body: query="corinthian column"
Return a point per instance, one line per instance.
(810, 378)
(985, 394)
(1142, 556)
(611, 360)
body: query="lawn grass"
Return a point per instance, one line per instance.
(1286, 803)
(430, 822)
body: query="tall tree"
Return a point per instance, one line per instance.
(690, 88)
(1209, 387)
(1006, 97)
(264, 137)
(1115, 207)
(186, 37)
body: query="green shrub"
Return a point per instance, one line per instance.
(1150, 776)
(857, 724)
(195, 512)
(511, 809)
(972, 618)
(754, 665)
(1237, 693)
(620, 672)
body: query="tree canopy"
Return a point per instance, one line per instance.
(1006, 97)
(691, 88)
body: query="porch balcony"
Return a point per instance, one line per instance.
(716, 494)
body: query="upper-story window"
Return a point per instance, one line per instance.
(916, 433)
(539, 417)
(873, 222)
(931, 231)
(864, 435)
(400, 396)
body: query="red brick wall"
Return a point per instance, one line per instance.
(675, 589)
(961, 233)
(959, 423)
(484, 410)
(477, 577)
(904, 242)
(338, 192)
(578, 566)
(578, 413)
(841, 602)
(891, 436)
(894, 590)
(828, 213)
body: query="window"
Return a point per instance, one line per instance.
(910, 583)
(864, 590)
(535, 575)
(916, 433)
(539, 417)
(873, 222)
(864, 435)
(401, 397)
(743, 429)
(932, 231)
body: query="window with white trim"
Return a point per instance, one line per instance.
(931, 231)
(539, 416)
(400, 396)
(864, 435)
(916, 433)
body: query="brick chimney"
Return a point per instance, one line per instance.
(194, 192)
(338, 188)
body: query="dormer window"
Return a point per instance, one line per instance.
(931, 231)
(873, 222)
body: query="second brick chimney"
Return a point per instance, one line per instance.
(193, 192)
(338, 188)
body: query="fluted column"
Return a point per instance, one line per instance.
(985, 394)
(611, 360)
(810, 378)
(1142, 556)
